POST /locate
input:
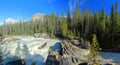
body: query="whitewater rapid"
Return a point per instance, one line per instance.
(27, 48)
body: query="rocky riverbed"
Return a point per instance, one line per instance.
(36, 50)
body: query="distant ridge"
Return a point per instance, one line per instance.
(38, 17)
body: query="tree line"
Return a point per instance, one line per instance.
(78, 24)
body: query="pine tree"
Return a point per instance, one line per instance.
(101, 26)
(76, 19)
(64, 24)
(69, 20)
(86, 23)
(65, 28)
(91, 22)
(94, 52)
(116, 28)
(114, 22)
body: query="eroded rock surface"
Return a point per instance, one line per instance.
(70, 54)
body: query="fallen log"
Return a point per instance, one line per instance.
(42, 46)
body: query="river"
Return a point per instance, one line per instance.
(27, 48)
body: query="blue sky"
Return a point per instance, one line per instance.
(25, 9)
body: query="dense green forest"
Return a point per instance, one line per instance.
(75, 24)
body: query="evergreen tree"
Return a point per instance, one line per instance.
(117, 19)
(112, 22)
(64, 28)
(101, 26)
(69, 20)
(94, 52)
(86, 23)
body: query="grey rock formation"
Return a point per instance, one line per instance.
(72, 55)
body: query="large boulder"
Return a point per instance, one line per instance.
(72, 55)
(53, 58)
(37, 35)
(75, 42)
(41, 35)
(86, 45)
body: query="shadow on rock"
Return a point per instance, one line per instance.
(57, 47)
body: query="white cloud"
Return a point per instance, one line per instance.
(72, 4)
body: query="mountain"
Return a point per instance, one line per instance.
(9, 21)
(38, 17)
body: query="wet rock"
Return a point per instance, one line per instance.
(17, 62)
(51, 60)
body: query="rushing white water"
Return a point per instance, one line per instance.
(27, 48)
